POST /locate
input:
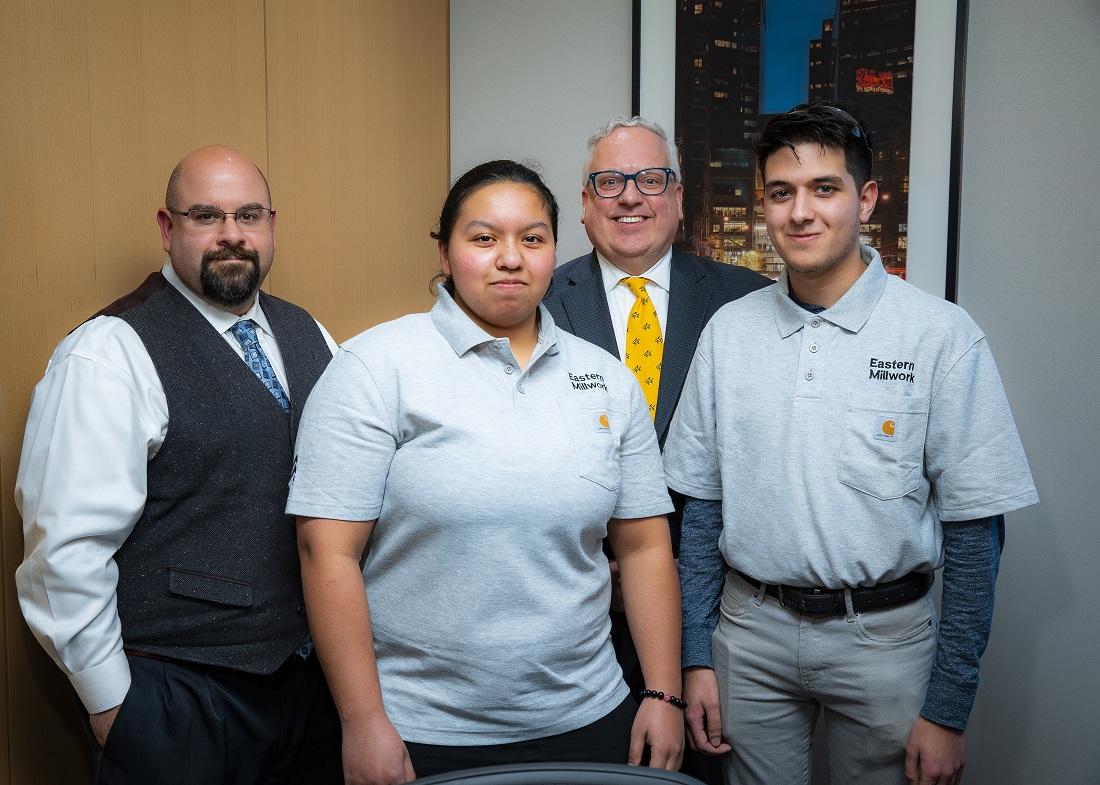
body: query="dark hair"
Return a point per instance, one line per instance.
(833, 124)
(489, 173)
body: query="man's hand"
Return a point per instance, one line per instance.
(101, 725)
(660, 726)
(935, 754)
(374, 754)
(703, 715)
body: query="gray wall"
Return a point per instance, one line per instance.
(532, 78)
(1029, 275)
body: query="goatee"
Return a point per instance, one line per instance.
(225, 285)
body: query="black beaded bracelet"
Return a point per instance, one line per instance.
(677, 702)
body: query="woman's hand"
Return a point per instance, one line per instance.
(339, 620)
(660, 726)
(651, 595)
(374, 754)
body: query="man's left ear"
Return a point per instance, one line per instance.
(868, 197)
(164, 221)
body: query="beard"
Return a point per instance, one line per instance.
(227, 285)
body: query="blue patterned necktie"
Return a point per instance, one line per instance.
(245, 331)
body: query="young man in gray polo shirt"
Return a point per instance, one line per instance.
(841, 436)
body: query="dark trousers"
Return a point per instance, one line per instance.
(185, 724)
(606, 740)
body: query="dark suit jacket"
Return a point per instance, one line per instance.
(697, 288)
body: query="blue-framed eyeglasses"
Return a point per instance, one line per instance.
(652, 182)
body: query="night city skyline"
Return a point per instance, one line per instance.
(739, 62)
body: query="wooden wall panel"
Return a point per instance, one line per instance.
(343, 103)
(47, 279)
(100, 102)
(359, 160)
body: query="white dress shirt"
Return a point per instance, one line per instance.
(96, 419)
(620, 300)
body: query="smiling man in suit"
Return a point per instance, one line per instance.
(634, 295)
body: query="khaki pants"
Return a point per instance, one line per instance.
(776, 668)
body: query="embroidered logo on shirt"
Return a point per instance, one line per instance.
(885, 429)
(891, 370)
(602, 423)
(587, 381)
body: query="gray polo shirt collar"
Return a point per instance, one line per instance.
(850, 312)
(460, 331)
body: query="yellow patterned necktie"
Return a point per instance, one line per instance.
(644, 344)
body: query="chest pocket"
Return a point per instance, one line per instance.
(595, 446)
(882, 445)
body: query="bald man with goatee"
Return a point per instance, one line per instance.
(161, 572)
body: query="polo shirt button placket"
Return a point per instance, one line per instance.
(813, 355)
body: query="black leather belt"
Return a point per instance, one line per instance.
(830, 602)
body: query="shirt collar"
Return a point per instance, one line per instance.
(219, 318)
(660, 273)
(850, 312)
(460, 331)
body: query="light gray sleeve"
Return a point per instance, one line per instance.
(346, 441)
(973, 453)
(642, 491)
(691, 449)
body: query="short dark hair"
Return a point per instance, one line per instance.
(489, 173)
(833, 124)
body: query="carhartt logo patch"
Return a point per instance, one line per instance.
(885, 428)
(602, 423)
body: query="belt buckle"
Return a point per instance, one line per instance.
(789, 600)
(809, 602)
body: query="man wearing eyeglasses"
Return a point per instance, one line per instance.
(840, 438)
(161, 573)
(632, 196)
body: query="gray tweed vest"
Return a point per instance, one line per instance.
(210, 573)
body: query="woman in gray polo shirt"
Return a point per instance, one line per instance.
(483, 455)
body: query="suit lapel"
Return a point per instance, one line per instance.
(689, 298)
(585, 303)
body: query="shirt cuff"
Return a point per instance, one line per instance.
(695, 648)
(948, 703)
(104, 686)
